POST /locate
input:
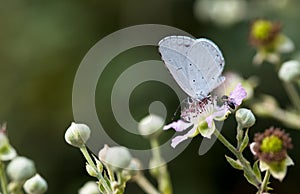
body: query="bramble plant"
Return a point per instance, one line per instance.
(20, 170)
(115, 166)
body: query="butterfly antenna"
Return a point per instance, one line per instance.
(177, 109)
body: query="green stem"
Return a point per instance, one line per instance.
(141, 180)
(239, 136)
(163, 177)
(263, 187)
(293, 94)
(3, 178)
(92, 164)
(246, 165)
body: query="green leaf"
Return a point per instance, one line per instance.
(256, 170)
(250, 179)
(245, 141)
(234, 163)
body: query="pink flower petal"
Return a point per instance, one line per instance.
(178, 139)
(177, 126)
(238, 94)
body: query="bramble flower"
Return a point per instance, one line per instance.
(198, 116)
(232, 79)
(271, 148)
(267, 38)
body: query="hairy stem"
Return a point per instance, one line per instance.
(246, 165)
(92, 164)
(3, 178)
(141, 180)
(263, 187)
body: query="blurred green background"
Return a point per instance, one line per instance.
(43, 43)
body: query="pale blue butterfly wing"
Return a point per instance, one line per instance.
(173, 51)
(206, 65)
(195, 64)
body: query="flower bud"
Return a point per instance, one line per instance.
(77, 134)
(20, 169)
(35, 185)
(7, 152)
(151, 125)
(90, 187)
(92, 171)
(117, 157)
(245, 118)
(133, 168)
(289, 71)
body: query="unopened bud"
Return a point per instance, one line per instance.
(245, 118)
(151, 126)
(20, 169)
(77, 134)
(289, 71)
(35, 185)
(117, 157)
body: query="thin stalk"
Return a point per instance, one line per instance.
(141, 180)
(3, 178)
(92, 164)
(246, 165)
(265, 182)
(293, 94)
(163, 177)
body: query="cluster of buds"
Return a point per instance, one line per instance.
(20, 170)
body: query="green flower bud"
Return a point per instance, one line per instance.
(77, 134)
(90, 187)
(20, 169)
(92, 171)
(151, 125)
(35, 185)
(117, 157)
(7, 152)
(245, 118)
(289, 71)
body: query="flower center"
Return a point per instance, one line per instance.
(271, 144)
(261, 29)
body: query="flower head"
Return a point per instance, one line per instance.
(198, 116)
(267, 38)
(271, 148)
